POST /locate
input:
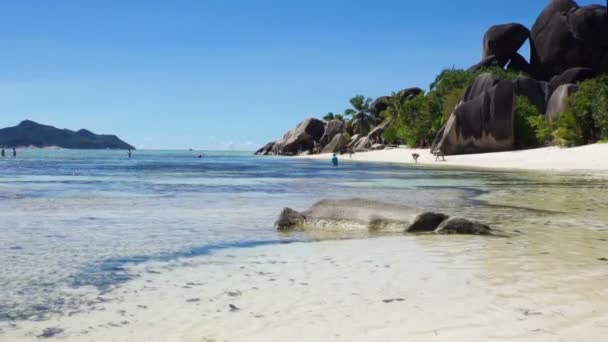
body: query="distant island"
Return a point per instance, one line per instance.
(32, 134)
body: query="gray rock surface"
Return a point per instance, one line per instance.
(289, 219)
(566, 36)
(537, 92)
(559, 101)
(333, 128)
(503, 41)
(484, 122)
(362, 214)
(426, 222)
(459, 225)
(336, 145)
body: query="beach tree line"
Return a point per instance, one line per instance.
(415, 121)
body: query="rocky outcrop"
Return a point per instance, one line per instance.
(426, 222)
(266, 150)
(336, 145)
(503, 41)
(363, 214)
(332, 128)
(571, 76)
(483, 122)
(29, 133)
(519, 64)
(380, 105)
(362, 144)
(566, 36)
(408, 93)
(304, 137)
(459, 225)
(559, 101)
(288, 219)
(375, 135)
(537, 92)
(488, 62)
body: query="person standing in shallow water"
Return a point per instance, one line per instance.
(3, 153)
(14, 153)
(334, 160)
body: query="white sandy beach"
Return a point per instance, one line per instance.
(584, 158)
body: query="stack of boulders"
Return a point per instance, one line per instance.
(310, 136)
(568, 43)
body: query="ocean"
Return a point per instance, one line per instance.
(71, 222)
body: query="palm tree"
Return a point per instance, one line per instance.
(331, 116)
(362, 119)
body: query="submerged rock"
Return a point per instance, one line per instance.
(459, 225)
(426, 222)
(288, 219)
(362, 214)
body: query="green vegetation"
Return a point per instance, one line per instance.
(417, 120)
(362, 119)
(331, 116)
(586, 119)
(529, 130)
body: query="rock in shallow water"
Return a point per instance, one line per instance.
(371, 215)
(426, 222)
(459, 225)
(288, 219)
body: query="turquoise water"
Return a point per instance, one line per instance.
(73, 220)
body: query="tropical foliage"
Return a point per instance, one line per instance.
(586, 118)
(331, 116)
(362, 119)
(416, 121)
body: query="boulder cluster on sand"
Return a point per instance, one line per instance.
(568, 44)
(377, 216)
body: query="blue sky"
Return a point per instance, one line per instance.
(226, 74)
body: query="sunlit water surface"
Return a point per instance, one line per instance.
(72, 221)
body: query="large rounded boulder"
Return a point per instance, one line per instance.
(503, 41)
(333, 128)
(305, 137)
(336, 145)
(571, 76)
(537, 92)
(484, 122)
(566, 36)
(559, 101)
(380, 105)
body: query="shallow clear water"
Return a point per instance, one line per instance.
(71, 221)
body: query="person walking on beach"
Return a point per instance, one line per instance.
(334, 160)
(14, 153)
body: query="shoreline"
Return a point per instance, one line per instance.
(588, 158)
(322, 290)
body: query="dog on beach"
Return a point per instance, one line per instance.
(415, 156)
